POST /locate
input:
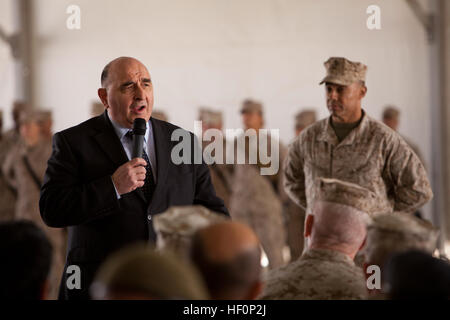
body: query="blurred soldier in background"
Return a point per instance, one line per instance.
(221, 173)
(10, 138)
(24, 169)
(97, 108)
(391, 118)
(46, 124)
(160, 115)
(257, 200)
(304, 119)
(296, 215)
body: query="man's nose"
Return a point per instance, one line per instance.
(139, 93)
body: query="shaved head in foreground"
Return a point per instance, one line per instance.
(228, 256)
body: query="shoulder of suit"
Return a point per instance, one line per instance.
(89, 126)
(169, 127)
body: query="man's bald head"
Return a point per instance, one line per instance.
(114, 64)
(222, 242)
(336, 226)
(228, 255)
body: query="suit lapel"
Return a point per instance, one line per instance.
(109, 142)
(162, 141)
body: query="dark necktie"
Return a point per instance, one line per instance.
(149, 184)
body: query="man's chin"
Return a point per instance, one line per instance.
(145, 116)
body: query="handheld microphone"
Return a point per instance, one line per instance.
(139, 128)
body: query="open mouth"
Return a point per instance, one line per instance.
(138, 109)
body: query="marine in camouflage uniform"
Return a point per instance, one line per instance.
(24, 168)
(257, 200)
(352, 146)
(221, 173)
(326, 270)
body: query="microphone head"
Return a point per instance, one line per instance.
(139, 126)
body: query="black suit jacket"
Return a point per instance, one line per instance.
(78, 193)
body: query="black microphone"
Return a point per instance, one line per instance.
(139, 128)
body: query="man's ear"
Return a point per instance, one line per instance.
(103, 95)
(363, 91)
(363, 244)
(308, 224)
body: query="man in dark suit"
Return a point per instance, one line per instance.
(105, 198)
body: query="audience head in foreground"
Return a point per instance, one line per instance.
(397, 232)
(25, 255)
(417, 275)
(228, 256)
(141, 273)
(175, 227)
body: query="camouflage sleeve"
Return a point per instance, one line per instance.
(280, 181)
(8, 168)
(294, 176)
(408, 176)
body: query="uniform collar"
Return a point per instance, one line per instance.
(327, 132)
(329, 255)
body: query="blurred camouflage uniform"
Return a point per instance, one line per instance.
(8, 196)
(221, 173)
(371, 155)
(394, 233)
(97, 108)
(317, 274)
(257, 200)
(175, 227)
(391, 113)
(295, 220)
(24, 168)
(160, 115)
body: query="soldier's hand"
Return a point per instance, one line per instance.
(129, 176)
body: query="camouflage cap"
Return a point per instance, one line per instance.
(345, 193)
(44, 114)
(176, 226)
(159, 275)
(32, 115)
(416, 231)
(305, 118)
(344, 72)
(160, 115)
(210, 117)
(251, 106)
